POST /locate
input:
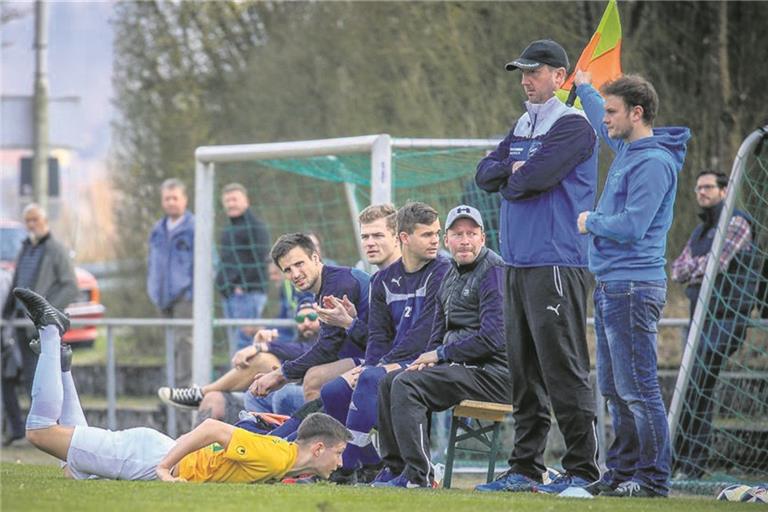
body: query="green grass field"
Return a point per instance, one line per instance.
(27, 487)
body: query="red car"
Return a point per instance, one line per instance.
(88, 303)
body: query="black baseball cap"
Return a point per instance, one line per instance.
(543, 51)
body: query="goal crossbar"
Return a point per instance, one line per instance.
(379, 146)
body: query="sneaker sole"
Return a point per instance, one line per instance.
(168, 401)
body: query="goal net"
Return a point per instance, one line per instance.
(316, 186)
(719, 411)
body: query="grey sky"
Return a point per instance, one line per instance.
(79, 64)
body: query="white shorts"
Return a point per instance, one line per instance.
(131, 454)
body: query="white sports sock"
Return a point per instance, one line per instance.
(71, 410)
(50, 340)
(47, 389)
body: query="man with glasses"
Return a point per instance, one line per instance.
(725, 326)
(223, 399)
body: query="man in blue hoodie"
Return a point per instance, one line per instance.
(627, 242)
(169, 269)
(546, 172)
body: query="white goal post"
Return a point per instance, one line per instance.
(206, 157)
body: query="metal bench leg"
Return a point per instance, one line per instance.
(451, 453)
(495, 445)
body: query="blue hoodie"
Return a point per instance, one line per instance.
(628, 229)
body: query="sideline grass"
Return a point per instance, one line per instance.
(29, 488)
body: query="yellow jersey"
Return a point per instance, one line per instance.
(248, 458)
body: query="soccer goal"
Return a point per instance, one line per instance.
(320, 186)
(719, 412)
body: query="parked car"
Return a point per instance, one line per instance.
(86, 306)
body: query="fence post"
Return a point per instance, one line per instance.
(203, 274)
(111, 382)
(170, 376)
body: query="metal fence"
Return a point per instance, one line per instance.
(171, 325)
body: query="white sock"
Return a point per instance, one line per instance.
(50, 340)
(71, 410)
(47, 389)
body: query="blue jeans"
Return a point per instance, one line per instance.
(626, 324)
(243, 305)
(285, 400)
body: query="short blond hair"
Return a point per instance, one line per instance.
(375, 212)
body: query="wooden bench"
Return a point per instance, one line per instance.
(476, 412)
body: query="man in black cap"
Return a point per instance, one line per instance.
(546, 172)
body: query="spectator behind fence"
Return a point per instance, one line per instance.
(43, 265)
(170, 270)
(223, 398)
(546, 172)
(627, 239)
(725, 323)
(465, 358)
(242, 276)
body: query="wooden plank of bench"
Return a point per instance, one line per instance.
(490, 411)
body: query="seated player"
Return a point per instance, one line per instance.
(378, 237)
(465, 358)
(402, 309)
(223, 400)
(212, 452)
(297, 257)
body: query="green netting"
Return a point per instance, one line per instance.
(723, 427)
(410, 168)
(323, 194)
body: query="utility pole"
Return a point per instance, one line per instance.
(40, 137)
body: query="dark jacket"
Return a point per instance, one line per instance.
(402, 311)
(288, 350)
(469, 321)
(333, 343)
(55, 277)
(733, 293)
(243, 255)
(170, 262)
(541, 201)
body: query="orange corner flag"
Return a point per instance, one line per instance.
(602, 55)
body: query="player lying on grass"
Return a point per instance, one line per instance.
(212, 452)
